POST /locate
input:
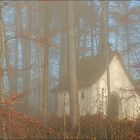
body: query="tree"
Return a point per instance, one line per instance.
(44, 97)
(63, 50)
(2, 49)
(72, 70)
(105, 5)
(26, 56)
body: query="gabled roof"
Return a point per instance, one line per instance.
(90, 69)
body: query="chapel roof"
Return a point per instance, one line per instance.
(90, 70)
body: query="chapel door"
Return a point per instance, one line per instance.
(113, 111)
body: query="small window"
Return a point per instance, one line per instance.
(82, 95)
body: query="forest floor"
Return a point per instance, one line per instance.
(16, 125)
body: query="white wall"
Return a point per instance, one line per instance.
(118, 80)
(62, 98)
(83, 103)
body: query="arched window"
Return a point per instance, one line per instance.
(114, 106)
(82, 95)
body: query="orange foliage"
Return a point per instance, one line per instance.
(21, 125)
(13, 99)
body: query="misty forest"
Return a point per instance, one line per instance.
(70, 70)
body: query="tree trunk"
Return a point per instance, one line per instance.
(92, 40)
(2, 52)
(106, 46)
(26, 56)
(64, 49)
(126, 27)
(44, 96)
(72, 70)
(63, 58)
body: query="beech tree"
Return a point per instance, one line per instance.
(72, 70)
(2, 51)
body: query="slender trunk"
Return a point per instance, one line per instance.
(73, 87)
(92, 40)
(78, 38)
(26, 56)
(63, 49)
(101, 47)
(126, 26)
(116, 29)
(44, 96)
(63, 57)
(92, 27)
(84, 40)
(39, 50)
(95, 39)
(2, 52)
(106, 45)
(14, 73)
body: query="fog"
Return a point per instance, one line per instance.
(70, 70)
